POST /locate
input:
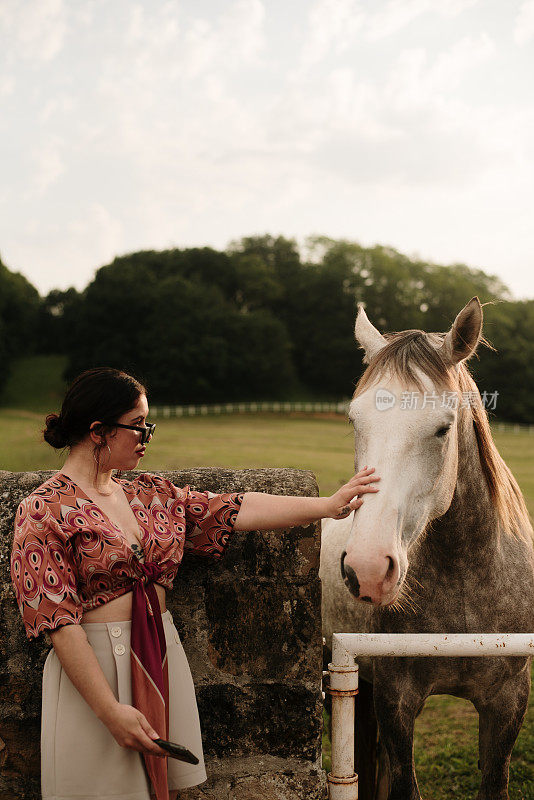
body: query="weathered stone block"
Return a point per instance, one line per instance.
(274, 719)
(266, 628)
(268, 778)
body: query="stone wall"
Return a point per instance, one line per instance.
(250, 624)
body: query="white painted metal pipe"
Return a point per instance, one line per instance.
(347, 645)
(342, 781)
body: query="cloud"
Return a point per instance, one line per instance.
(332, 26)
(398, 13)
(34, 30)
(194, 45)
(98, 230)
(231, 42)
(48, 165)
(524, 23)
(62, 253)
(241, 30)
(172, 123)
(7, 85)
(409, 124)
(168, 94)
(415, 81)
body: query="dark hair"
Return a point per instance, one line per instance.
(99, 393)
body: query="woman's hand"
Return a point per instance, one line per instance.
(347, 499)
(130, 728)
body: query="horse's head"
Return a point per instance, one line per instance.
(405, 413)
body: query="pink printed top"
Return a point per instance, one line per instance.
(68, 557)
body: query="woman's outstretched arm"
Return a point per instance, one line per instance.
(271, 511)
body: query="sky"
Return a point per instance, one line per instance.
(128, 125)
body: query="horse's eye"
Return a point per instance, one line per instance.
(443, 431)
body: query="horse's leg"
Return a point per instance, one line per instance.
(366, 742)
(382, 786)
(500, 720)
(397, 704)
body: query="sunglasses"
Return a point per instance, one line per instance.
(146, 433)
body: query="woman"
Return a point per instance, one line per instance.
(93, 556)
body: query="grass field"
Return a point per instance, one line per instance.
(320, 444)
(446, 744)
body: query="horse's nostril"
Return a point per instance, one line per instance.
(349, 577)
(352, 581)
(391, 566)
(343, 554)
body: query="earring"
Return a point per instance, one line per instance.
(99, 446)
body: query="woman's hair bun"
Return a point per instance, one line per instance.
(97, 394)
(54, 433)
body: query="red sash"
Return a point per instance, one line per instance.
(150, 675)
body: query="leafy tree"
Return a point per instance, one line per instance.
(509, 370)
(260, 320)
(19, 303)
(291, 295)
(57, 316)
(19, 307)
(170, 323)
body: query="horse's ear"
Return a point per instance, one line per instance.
(369, 338)
(462, 339)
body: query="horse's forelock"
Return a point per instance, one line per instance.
(406, 350)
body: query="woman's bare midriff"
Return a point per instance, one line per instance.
(120, 608)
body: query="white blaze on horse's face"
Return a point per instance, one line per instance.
(415, 453)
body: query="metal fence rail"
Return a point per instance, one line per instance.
(343, 670)
(280, 407)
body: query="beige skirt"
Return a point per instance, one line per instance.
(80, 759)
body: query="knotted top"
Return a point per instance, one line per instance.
(69, 557)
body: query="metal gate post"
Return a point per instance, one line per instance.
(342, 780)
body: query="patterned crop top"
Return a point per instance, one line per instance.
(68, 557)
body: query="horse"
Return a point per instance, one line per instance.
(446, 545)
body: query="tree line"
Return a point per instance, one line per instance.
(261, 320)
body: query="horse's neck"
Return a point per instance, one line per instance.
(471, 520)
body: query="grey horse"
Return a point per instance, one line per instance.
(446, 545)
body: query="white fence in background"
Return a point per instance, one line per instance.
(279, 407)
(271, 406)
(343, 670)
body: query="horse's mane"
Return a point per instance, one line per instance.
(414, 348)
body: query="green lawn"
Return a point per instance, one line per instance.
(446, 731)
(35, 384)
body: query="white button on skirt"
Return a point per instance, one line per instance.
(80, 759)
